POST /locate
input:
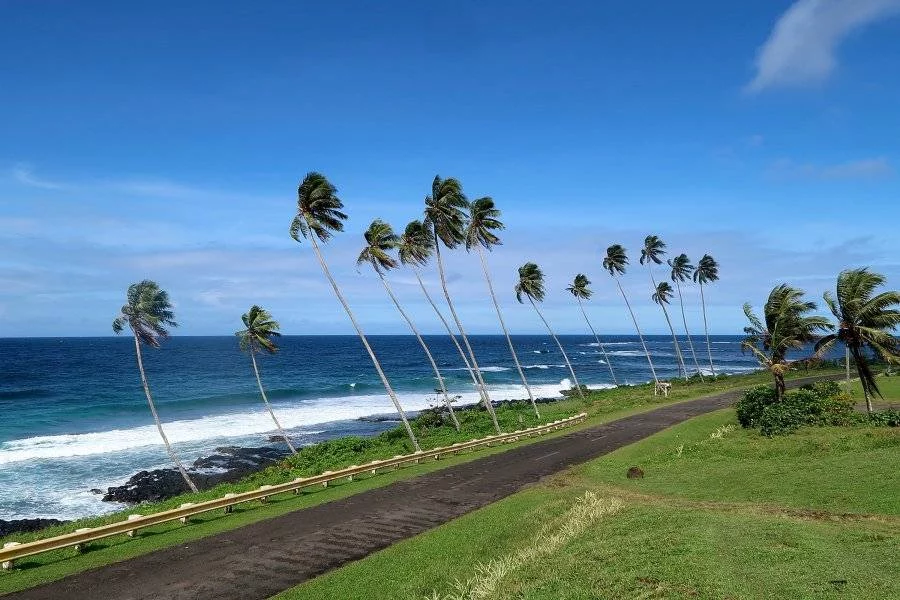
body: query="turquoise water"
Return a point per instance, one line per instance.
(73, 416)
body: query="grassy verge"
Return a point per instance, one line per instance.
(721, 513)
(890, 389)
(601, 406)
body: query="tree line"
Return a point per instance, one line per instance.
(450, 220)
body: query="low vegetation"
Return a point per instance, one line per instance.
(722, 512)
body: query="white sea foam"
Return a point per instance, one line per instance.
(626, 353)
(543, 366)
(488, 369)
(241, 424)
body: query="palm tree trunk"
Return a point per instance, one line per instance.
(864, 373)
(674, 337)
(686, 332)
(597, 338)
(488, 405)
(422, 343)
(262, 392)
(462, 353)
(159, 427)
(779, 386)
(638, 329)
(712, 369)
(556, 339)
(365, 342)
(847, 364)
(512, 350)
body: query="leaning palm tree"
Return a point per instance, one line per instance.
(414, 249)
(681, 272)
(579, 288)
(615, 262)
(662, 296)
(318, 217)
(258, 335)
(484, 220)
(148, 313)
(652, 252)
(707, 271)
(380, 242)
(445, 217)
(531, 285)
(786, 325)
(864, 323)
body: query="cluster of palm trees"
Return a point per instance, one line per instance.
(865, 321)
(449, 221)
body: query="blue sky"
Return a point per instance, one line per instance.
(165, 141)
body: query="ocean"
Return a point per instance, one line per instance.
(73, 416)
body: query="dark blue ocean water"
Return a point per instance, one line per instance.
(73, 416)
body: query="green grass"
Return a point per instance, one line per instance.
(890, 389)
(812, 515)
(601, 406)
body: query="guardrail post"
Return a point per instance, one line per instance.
(230, 508)
(265, 499)
(131, 532)
(81, 547)
(8, 564)
(184, 520)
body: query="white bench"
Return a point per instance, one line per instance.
(662, 388)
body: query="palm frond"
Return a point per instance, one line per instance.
(531, 282)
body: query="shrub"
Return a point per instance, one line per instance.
(750, 408)
(782, 418)
(885, 418)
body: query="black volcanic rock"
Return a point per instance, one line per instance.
(26, 525)
(230, 463)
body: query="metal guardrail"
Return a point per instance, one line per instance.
(12, 551)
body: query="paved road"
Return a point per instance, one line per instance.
(264, 558)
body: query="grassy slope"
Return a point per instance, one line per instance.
(737, 517)
(604, 405)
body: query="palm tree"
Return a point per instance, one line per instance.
(579, 288)
(707, 271)
(257, 336)
(445, 217)
(531, 285)
(615, 262)
(414, 249)
(484, 220)
(785, 326)
(148, 313)
(681, 272)
(864, 322)
(662, 296)
(652, 252)
(318, 217)
(380, 242)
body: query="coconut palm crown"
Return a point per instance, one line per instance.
(654, 248)
(380, 242)
(681, 268)
(616, 260)
(416, 244)
(484, 219)
(786, 325)
(148, 312)
(579, 287)
(259, 331)
(531, 283)
(707, 270)
(663, 293)
(318, 209)
(444, 211)
(864, 322)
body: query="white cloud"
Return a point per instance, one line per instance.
(24, 174)
(868, 168)
(801, 47)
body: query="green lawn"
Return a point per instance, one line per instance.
(812, 515)
(890, 389)
(601, 406)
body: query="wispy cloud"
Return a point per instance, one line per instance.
(801, 48)
(868, 168)
(24, 174)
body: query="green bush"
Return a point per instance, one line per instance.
(787, 416)
(821, 404)
(884, 418)
(750, 408)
